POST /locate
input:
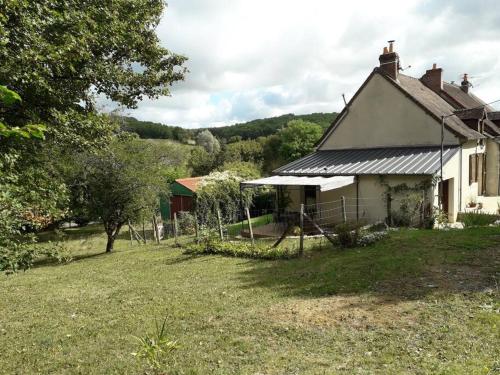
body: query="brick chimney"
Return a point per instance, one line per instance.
(389, 61)
(433, 78)
(465, 84)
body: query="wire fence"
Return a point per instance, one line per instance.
(317, 219)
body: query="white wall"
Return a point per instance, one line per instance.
(382, 116)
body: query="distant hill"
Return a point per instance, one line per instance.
(267, 126)
(247, 130)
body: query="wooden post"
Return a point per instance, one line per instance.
(130, 234)
(389, 210)
(144, 232)
(175, 228)
(155, 228)
(247, 211)
(301, 221)
(344, 214)
(196, 229)
(219, 223)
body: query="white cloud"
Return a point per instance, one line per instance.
(251, 59)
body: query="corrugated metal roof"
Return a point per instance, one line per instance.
(394, 160)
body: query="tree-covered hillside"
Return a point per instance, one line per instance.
(248, 130)
(267, 126)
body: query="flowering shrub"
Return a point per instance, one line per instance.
(370, 238)
(220, 190)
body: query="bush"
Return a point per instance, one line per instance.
(186, 223)
(370, 238)
(241, 249)
(471, 219)
(348, 234)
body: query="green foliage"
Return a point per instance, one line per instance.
(155, 348)
(201, 162)
(245, 151)
(246, 170)
(56, 54)
(153, 130)
(206, 140)
(298, 139)
(221, 191)
(121, 183)
(347, 234)
(409, 212)
(268, 126)
(243, 249)
(473, 219)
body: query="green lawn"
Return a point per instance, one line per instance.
(419, 302)
(235, 229)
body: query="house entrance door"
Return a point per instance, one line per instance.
(445, 194)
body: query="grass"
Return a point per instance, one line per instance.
(234, 229)
(418, 302)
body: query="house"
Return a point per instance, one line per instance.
(183, 191)
(397, 134)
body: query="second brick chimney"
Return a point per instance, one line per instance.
(465, 83)
(433, 78)
(389, 61)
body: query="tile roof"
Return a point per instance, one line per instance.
(191, 182)
(393, 160)
(435, 104)
(464, 99)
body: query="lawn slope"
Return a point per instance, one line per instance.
(418, 302)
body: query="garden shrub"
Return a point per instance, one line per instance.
(471, 219)
(241, 249)
(347, 234)
(186, 222)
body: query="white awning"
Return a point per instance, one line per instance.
(324, 183)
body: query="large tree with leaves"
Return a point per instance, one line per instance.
(122, 183)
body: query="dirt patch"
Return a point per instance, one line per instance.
(360, 312)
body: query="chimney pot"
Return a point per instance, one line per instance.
(385, 51)
(465, 84)
(434, 66)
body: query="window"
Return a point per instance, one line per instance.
(477, 172)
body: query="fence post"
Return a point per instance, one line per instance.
(175, 228)
(247, 211)
(389, 211)
(130, 234)
(344, 215)
(157, 232)
(219, 223)
(196, 229)
(301, 221)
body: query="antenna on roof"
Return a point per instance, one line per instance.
(345, 101)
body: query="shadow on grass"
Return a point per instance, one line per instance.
(408, 265)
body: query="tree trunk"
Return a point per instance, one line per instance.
(109, 245)
(112, 234)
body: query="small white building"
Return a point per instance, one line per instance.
(398, 131)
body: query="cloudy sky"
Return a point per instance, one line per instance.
(261, 58)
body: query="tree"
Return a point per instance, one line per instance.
(120, 184)
(58, 56)
(298, 139)
(244, 169)
(206, 140)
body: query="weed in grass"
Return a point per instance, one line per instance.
(156, 348)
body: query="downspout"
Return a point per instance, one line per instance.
(357, 198)
(460, 183)
(440, 200)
